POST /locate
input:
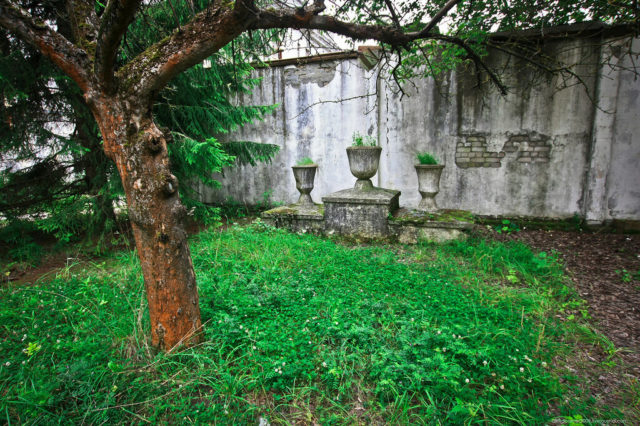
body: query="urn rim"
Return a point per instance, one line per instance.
(429, 166)
(358, 148)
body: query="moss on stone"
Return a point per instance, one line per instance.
(417, 217)
(143, 60)
(296, 210)
(281, 210)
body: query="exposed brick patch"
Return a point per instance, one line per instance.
(473, 152)
(530, 149)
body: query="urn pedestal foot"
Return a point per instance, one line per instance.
(363, 185)
(428, 203)
(305, 199)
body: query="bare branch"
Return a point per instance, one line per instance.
(82, 20)
(562, 70)
(283, 18)
(394, 16)
(438, 17)
(72, 60)
(477, 60)
(332, 101)
(113, 24)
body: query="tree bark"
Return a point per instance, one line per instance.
(157, 217)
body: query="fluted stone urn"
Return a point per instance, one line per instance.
(363, 162)
(429, 185)
(305, 175)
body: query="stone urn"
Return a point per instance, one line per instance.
(429, 185)
(363, 162)
(305, 175)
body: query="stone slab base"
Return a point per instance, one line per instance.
(411, 226)
(297, 218)
(410, 234)
(360, 213)
(371, 221)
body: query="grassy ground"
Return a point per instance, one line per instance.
(301, 329)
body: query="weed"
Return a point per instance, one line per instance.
(507, 227)
(625, 275)
(360, 140)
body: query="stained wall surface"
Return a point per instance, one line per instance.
(546, 149)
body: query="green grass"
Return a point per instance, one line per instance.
(298, 329)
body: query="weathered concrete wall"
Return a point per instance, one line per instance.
(622, 182)
(322, 131)
(539, 151)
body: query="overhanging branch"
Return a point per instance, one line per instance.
(438, 17)
(477, 60)
(390, 35)
(286, 18)
(206, 33)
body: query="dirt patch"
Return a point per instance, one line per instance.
(72, 256)
(604, 268)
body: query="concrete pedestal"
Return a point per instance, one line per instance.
(411, 226)
(370, 214)
(297, 217)
(360, 213)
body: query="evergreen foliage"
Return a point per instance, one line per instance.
(54, 175)
(195, 107)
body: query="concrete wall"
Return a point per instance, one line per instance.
(543, 150)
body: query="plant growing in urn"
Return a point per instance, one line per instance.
(305, 172)
(429, 172)
(364, 158)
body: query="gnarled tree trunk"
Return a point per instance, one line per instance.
(157, 216)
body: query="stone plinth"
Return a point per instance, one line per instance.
(360, 213)
(411, 226)
(297, 217)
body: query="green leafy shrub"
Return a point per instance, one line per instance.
(366, 140)
(426, 158)
(306, 161)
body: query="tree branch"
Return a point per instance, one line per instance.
(438, 17)
(244, 7)
(287, 18)
(82, 20)
(71, 59)
(395, 37)
(394, 16)
(113, 25)
(477, 60)
(205, 34)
